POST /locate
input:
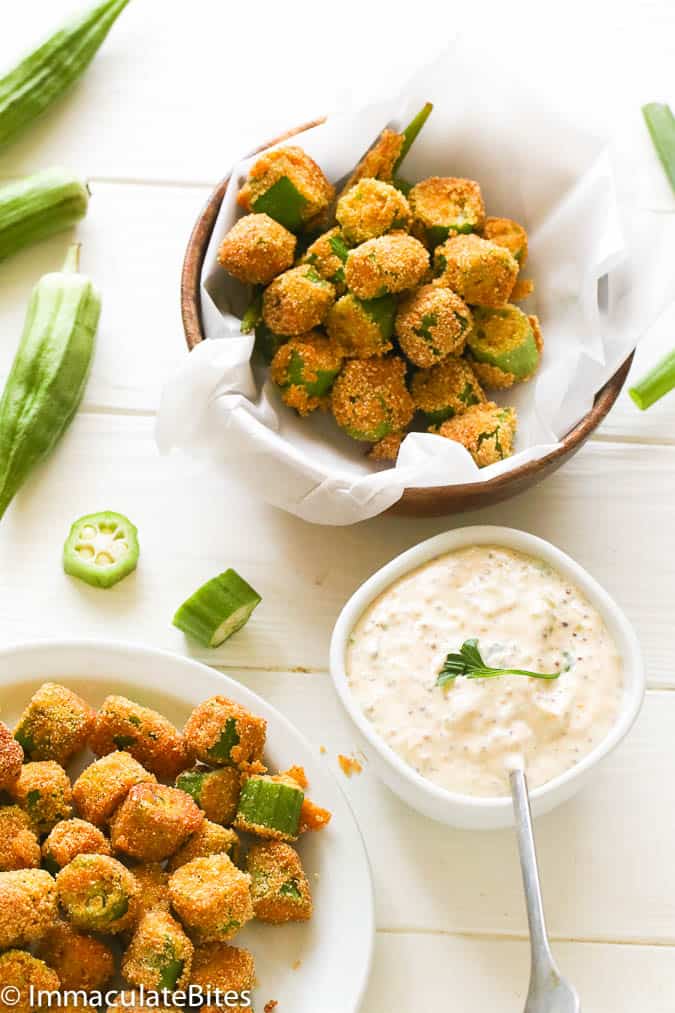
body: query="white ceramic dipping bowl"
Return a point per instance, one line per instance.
(427, 798)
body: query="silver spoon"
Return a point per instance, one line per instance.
(549, 992)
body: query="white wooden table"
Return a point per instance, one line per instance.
(177, 93)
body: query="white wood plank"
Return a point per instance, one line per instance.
(465, 975)
(606, 508)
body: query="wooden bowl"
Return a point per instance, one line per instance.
(435, 501)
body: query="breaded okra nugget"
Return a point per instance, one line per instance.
(506, 232)
(44, 792)
(19, 846)
(431, 324)
(222, 733)
(212, 898)
(81, 961)
(147, 735)
(279, 886)
(153, 888)
(55, 725)
(210, 839)
(480, 271)
(160, 954)
(370, 209)
(153, 822)
(444, 206)
(305, 369)
(11, 758)
(370, 399)
(257, 249)
(446, 390)
(297, 301)
(103, 785)
(362, 328)
(287, 185)
(223, 967)
(380, 161)
(328, 255)
(97, 894)
(69, 839)
(505, 346)
(387, 448)
(27, 906)
(385, 265)
(486, 430)
(29, 976)
(216, 792)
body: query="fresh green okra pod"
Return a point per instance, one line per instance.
(34, 208)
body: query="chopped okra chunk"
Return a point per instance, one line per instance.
(55, 725)
(385, 265)
(153, 888)
(101, 549)
(362, 327)
(28, 904)
(486, 430)
(328, 255)
(223, 967)
(80, 960)
(257, 249)
(446, 390)
(432, 323)
(69, 839)
(11, 758)
(222, 733)
(504, 346)
(287, 185)
(160, 954)
(19, 845)
(480, 271)
(506, 232)
(370, 209)
(267, 343)
(148, 736)
(218, 609)
(105, 783)
(153, 821)
(210, 839)
(444, 206)
(387, 448)
(212, 898)
(44, 792)
(370, 399)
(305, 369)
(270, 806)
(216, 792)
(279, 886)
(98, 894)
(297, 301)
(380, 161)
(28, 975)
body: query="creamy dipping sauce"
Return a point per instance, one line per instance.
(467, 736)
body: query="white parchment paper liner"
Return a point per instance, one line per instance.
(599, 256)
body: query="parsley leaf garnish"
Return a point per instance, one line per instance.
(469, 663)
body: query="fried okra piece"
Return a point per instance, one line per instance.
(387, 448)
(480, 271)
(69, 839)
(11, 758)
(216, 792)
(370, 209)
(505, 346)
(370, 399)
(29, 976)
(486, 430)
(431, 324)
(446, 390)
(297, 301)
(103, 785)
(44, 792)
(506, 232)
(444, 206)
(380, 161)
(81, 961)
(222, 733)
(153, 822)
(287, 185)
(385, 265)
(257, 249)
(212, 898)
(305, 369)
(523, 289)
(55, 725)
(279, 886)
(148, 736)
(362, 328)
(27, 906)
(328, 255)
(270, 806)
(223, 967)
(19, 845)
(210, 839)
(153, 888)
(160, 954)
(98, 894)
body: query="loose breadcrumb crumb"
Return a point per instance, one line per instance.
(349, 765)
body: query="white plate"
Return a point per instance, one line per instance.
(335, 947)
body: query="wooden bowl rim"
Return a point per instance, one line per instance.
(521, 476)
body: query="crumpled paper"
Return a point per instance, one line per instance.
(599, 257)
